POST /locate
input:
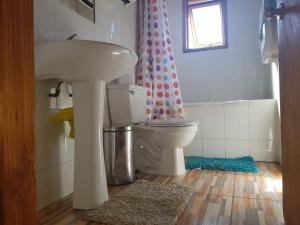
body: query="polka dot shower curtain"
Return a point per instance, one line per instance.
(156, 67)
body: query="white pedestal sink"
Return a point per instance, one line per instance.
(87, 65)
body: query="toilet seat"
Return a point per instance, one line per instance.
(171, 122)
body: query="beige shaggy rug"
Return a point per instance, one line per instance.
(144, 203)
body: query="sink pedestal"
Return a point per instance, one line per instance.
(87, 65)
(90, 187)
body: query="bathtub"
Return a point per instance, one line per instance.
(234, 129)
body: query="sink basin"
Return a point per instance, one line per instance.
(88, 65)
(80, 60)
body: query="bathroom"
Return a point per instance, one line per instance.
(229, 94)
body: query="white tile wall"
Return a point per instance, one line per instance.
(236, 121)
(234, 129)
(54, 183)
(215, 148)
(275, 92)
(195, 148)
(54, 157)
(216, 68)
(228, 74)
(261, 121)
(236, 90)
(57, 20)
(213, 122)
(194, 114)
(47, 186)
(65, 179)
(237, 148)
(257, 88)
(263, 149)
(199, 70)
(48, 138)
(217, 90)
(199, 91)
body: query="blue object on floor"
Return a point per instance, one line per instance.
(243, 164)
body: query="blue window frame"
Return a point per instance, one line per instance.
(205, 25)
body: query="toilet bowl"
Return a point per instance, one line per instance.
(158, 144)
(167, 138)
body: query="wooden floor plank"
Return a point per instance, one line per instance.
(269, 170)
(220, 198)
(262, 187)
(251, 211)
(207, 209)
(213, 182)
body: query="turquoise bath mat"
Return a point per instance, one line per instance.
(243, 164)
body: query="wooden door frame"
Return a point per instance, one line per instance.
(289, 69)
(17, 151)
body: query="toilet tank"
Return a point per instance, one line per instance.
(127, 103)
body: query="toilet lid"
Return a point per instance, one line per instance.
(171, 122)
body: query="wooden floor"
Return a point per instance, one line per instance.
(220, 198)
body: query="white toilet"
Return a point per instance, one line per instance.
(158, 144)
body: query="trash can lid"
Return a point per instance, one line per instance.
(118, 128)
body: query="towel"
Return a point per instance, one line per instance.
(65, 115)
(266, 4)
(268, 34)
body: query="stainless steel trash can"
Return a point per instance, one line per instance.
(118, 155)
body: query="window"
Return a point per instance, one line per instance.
(205, 25)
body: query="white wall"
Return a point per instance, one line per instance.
(57, 20)
(228, 74)
(234, 129)
(54, 150)
(276, 95)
